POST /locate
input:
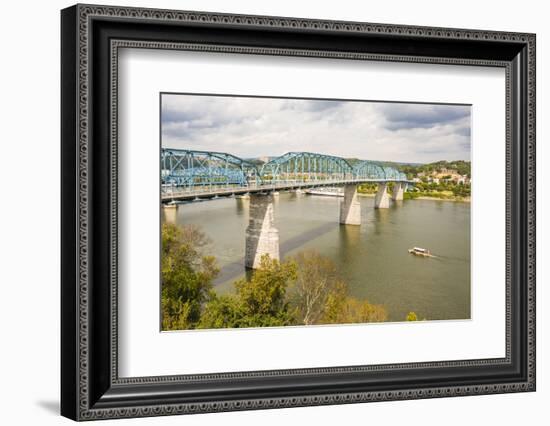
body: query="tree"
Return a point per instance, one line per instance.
(316, 281)
(319, 296)
(342, 309)
(258, 302)
(264, 296)
(224, 311)
(186, 275)
(411, 316)
(367, 188)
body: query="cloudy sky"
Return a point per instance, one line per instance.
(256, 127)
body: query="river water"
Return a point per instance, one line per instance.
(372, 258)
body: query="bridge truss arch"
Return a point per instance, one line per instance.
(306, 166)
(375, 171)
(189, 168)
(369, 170)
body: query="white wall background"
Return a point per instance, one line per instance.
(29, 213)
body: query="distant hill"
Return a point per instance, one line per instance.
(461, 166)
(260, 160)
(255, 161)
(353, 161)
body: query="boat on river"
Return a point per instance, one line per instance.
(419, 251)
(326, 192)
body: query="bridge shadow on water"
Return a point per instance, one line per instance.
(235, 270)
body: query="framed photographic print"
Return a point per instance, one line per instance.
(263, 212)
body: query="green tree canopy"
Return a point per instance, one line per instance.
(186, 275)
(411, 316)
(259, 302)
(316, 281)
(343, 309)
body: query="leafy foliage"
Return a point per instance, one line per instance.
(411, 316)
(319, 296)
(186, 276)
(224, 311)
(367, 188)
(343, 309)
(259, 302)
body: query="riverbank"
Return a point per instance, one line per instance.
(421, 197)
(454, 199)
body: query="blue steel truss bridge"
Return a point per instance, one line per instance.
(188, 175)
(193, 175)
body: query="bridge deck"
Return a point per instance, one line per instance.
(177, 194)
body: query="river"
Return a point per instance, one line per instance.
(372, 258)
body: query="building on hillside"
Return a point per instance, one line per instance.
(446, 171)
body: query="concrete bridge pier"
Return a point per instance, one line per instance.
(261, 235)
(382, 199)
(398, 189)
(350, 209)
(170, 211)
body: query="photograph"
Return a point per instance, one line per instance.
(302, 212)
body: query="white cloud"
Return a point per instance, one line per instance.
(253, 127)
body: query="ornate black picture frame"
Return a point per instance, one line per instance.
(91, 36)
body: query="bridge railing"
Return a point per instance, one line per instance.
(172, 191)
